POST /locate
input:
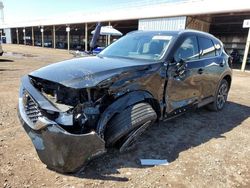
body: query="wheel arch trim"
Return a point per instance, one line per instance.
(227, 74)
(119, 105)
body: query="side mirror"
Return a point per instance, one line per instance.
(180, 67)
(180, 63)
(170, 62)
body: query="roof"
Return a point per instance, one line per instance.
(200, 33)
(157, 32)
(175, 33)
(179, 8)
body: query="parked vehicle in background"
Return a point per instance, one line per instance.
(48, 44)
(61, 45)
(80, 47)
(97, 50)
(28, 42)
(38, 43)
(3, 40)
(236, 58)
(74, 110)
(1, 49)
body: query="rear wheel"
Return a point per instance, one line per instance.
(221, 97)
(125, 127)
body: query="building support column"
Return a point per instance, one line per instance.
(109, 35)
(68, 36)
(54, 36)
(24, 36)
(244, 62)
(42, 32)
(32, 37)
(68, 40)
(86, 37)
(17, 36)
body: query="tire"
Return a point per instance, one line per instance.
(125, 127)
(221, 97)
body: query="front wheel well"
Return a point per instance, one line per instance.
(228, 79)
(122, 103)
(155, 105)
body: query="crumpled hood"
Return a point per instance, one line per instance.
(88, 71)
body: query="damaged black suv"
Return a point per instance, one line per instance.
(74, 109)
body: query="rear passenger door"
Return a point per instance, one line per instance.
(212, 64)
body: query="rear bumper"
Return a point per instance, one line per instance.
(57, 148)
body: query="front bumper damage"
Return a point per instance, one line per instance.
(57, 148)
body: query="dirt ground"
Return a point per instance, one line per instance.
(204, 149)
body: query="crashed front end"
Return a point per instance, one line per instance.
(61, 122)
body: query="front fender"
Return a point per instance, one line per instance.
(118, 106)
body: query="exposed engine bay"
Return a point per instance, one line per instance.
(80, 108)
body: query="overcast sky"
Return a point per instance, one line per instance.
(23, 10)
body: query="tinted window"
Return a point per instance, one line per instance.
(188, 50)
(207, 47)
(218, 48)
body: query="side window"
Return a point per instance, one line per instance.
(207, 47)
(188, 50)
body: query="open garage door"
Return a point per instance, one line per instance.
(228, 28)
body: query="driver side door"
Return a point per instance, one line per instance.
(184, 76)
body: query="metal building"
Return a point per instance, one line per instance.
(222, 18)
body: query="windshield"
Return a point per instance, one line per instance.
(145, 46)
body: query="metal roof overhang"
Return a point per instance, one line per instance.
(187, 8)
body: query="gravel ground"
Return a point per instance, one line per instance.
(204, 149)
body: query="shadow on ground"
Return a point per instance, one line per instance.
(166, 140)
(3, 70)
(6, 60)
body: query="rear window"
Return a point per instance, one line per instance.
(207, 47)
(218, 48)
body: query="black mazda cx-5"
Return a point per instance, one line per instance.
(75, 109)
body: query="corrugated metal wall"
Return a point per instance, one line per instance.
(157, 24)
(8, 36)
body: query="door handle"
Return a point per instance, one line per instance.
(200, 71)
